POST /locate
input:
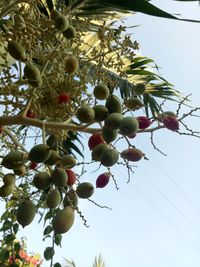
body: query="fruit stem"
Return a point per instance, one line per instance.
(53, 243)
(24, 112)
(44, 133)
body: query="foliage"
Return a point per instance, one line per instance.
(68, 72)
(15, 254)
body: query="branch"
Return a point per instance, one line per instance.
(151, 129)
(189, 113)
(20, 120)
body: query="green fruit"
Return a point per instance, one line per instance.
(109, 157)
(101, 112)
(63, 220)
(14, 159)
(70, 32)
(113, 120)
(9, 179)
(61, 22)
(139, 89)
(67, 162)
(53, 199)
(134, 103)
(52, 142)
(70, 199)
(36, 83)
(6, 190)
(113, 104)
(26, 212)
(31, 72)
(21, 170)
(39, 153)
(85, 190)
(101, 91)
(53, 158)
(98, 151)
(128, 126)
(16, 50)
(71, 65)
(42, 180)
(59, 177)
(85, 114)
(109, 135)
(54, 14)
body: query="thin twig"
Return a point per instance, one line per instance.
(44, 134)
(181, 103)
(24, 112)
(155, 147)
(13, 138)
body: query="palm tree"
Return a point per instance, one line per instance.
(104, 54)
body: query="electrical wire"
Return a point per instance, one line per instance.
(170, 202)
(187, 198)
(181, 233)
(166, 217)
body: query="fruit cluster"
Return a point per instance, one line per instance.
(53, 184)
(58, 184)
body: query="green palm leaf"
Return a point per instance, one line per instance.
(102, 7)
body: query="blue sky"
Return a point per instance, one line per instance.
(155, 219)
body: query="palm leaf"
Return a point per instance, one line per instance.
(102, 7)
(42, 8)
(70, 263)
(99, 262)
(142, 6)
(50, 4)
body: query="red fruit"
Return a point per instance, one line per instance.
(63, 98)
(94, 140)
(132, 154)
(144, 122)
(71, 177)
(132, 136)
(103, 180)
(171, 123)
(33, 165)
(30, 114)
